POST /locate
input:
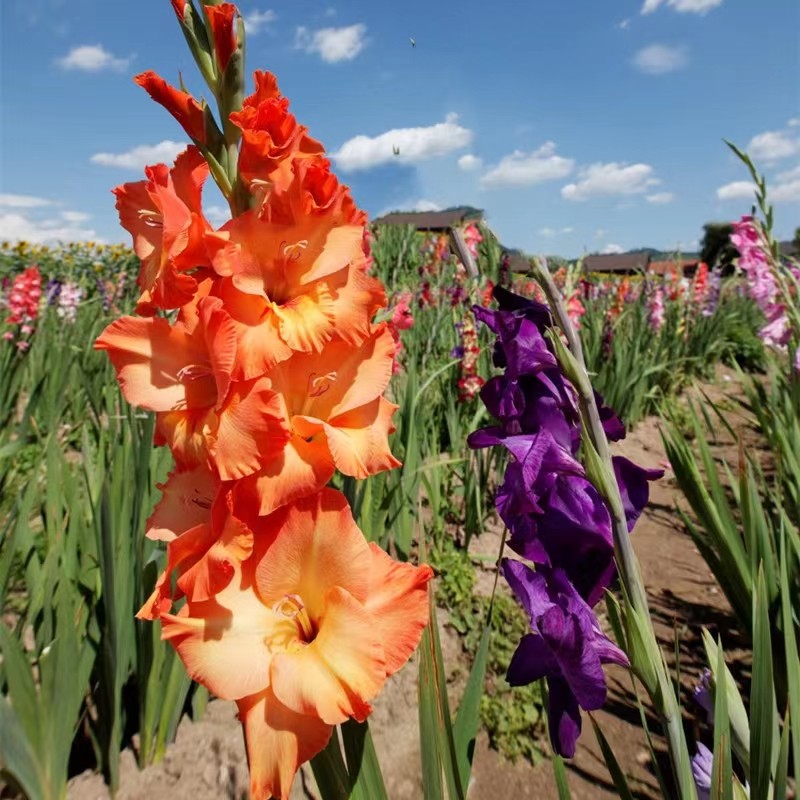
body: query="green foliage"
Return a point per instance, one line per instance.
(511, 716)
(635, 368)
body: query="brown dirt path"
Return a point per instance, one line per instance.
(207, 759)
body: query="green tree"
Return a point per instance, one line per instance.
(716, 246)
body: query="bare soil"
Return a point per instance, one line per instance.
(207, 759)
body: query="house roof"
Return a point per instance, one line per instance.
(617, 262)
(517, 261)
(789, 249)
(432, 220)
(681, 266)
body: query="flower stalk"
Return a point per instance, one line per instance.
(646, 658)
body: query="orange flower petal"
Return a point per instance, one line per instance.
(340, 247)
(252, 426)
(222, 641)
(335, 675)
(356, 299)
(181, 105)
(308, 547)
(398, 598)
(336, 379)
(359, 439)
(302, 468)
(259, 344)
(186, 433)
(278, 742)
(307, 322)
(186, 499)
(220, 337)
(221, 19)
(149, 356)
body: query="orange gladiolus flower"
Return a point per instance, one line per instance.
(270, 378)
(297, 279)
(304, 634)
(163, 213)
(186, 110)
(183, 371)
(221, 18)
(271, 137)
(337, 418)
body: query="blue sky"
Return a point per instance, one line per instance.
(577, 125)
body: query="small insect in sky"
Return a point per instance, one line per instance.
(396, 150)
(413, 41)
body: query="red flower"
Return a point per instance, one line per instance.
(221, 19)
(181, 105)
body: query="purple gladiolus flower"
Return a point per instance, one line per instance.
(701, 694)
(566, 647)
(702, 766)
(556, 517)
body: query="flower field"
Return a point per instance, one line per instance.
(252, 462)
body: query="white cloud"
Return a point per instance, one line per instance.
(789, 175)
(92, 58)
(623, 24)
(659, 59)
(525, 169)
(257, 21)
(738, 190)
(610, 179)
(217, 215)
(139, 157)
(788, 192)
(612, 249)
(660, 198)
(682, 6)
(773, 146)
(75, 217)
(469, 162)
(425, 205)
(22, 201)
(794, 122)
(600, 233)
(551, 233)
(16, 226)
(406, 145)
(332, 44)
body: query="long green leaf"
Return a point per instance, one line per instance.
(722, 771)
(366, 779)
(617, 775)
(763, 717)
(17, 758)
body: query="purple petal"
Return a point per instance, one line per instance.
(569, 637)
(633, 487)
(575, 530)
(612, 424)
(702, 769)
(508, 301)
(563, 717)
(608, 652)
(486, 437)
(531, 661)
(486, 316)
(529, 587)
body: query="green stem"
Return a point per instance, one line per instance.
(664, 698)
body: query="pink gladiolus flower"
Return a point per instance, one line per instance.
(753, 261)
(575, 309)
(472, 238)
(401, 318)
(657, 310)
